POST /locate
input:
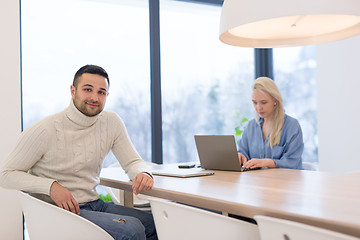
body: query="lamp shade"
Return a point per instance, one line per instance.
(286, 23)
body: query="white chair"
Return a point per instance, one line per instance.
(11, 218)
(176, 221)
(279, 229)
(45, 221)
(310, 166)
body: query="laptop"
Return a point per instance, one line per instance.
(218, 152)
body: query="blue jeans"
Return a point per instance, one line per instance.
(122, 223)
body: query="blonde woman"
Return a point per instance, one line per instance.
(273, 139)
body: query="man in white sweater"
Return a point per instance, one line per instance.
(59, 159)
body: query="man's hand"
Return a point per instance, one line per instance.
(63, 198)
(142, 182)
(242, 159)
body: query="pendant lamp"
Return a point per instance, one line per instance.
(287, 23)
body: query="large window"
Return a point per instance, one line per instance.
(58, 37)
(205, 83)
(294, 73)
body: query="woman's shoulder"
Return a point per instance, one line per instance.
(291, 121)
(252, 122)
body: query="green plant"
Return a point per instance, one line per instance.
(240, 127)
(105, 198)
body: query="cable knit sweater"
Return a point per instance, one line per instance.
(69, 148)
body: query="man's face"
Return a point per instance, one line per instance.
(90, 94)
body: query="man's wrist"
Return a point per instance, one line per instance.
(150, 175)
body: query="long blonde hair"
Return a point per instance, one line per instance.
(267, 85)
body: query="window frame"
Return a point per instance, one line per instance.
(263, 62)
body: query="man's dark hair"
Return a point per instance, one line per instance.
(92, 69)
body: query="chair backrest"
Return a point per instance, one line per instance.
(11, 218)
(177, 221)
(45, 221)
(310, 166)
(279, 229)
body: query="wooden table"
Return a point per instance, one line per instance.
(327, 200)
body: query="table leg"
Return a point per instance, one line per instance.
(128, 199)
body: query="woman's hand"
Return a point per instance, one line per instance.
(260, 163)
(242, 159)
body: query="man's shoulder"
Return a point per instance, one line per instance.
(47, 121)
(109, 115)
(42, 128)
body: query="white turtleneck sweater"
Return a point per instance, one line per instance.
(69, 148)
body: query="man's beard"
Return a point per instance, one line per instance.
(83, 108)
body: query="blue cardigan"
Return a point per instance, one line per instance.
(287, 154)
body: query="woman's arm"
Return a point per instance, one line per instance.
(289, 155)
(244, 142)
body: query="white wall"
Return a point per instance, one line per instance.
(339, 105)
(10, 121)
